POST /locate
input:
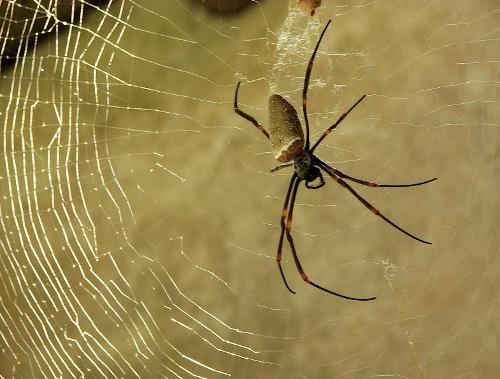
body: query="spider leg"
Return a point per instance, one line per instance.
(317, 186)
(284, 214)
(374, 210)
(296, 258)
(306, 83)
(340, 119)
(372, 184)
(245, 115)
(279, 167)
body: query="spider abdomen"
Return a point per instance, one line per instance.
(286, 136)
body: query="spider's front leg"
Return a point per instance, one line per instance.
(316, 186)
(284, 217)
(332, 173)
(288, 232)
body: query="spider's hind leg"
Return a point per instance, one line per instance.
(246, 116)
(280, 166)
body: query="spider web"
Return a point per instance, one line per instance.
(139, 220)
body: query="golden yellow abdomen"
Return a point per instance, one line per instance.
(286, 136)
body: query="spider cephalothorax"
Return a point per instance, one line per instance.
(292, 149)
(305, 167)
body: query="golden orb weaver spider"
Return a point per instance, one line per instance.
(287, 140)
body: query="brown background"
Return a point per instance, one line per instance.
(140, 223)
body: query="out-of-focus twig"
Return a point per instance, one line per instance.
(309, 5)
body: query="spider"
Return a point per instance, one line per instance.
(291, 149)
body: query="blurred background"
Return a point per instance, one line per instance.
(139, 221)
